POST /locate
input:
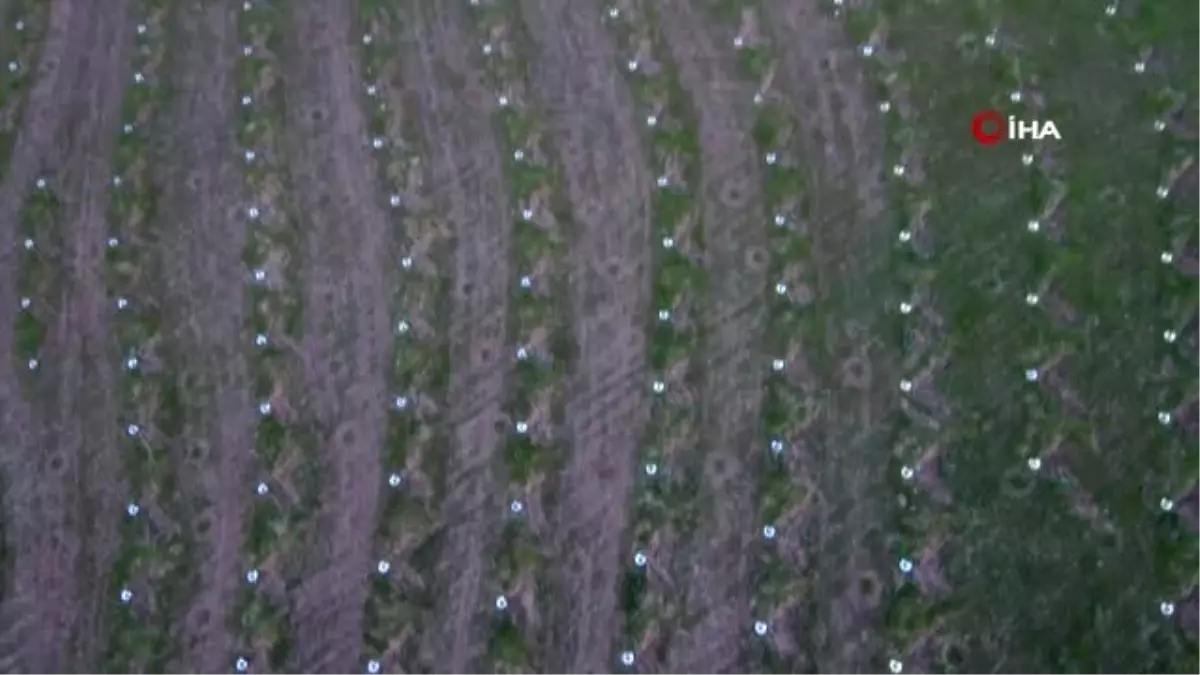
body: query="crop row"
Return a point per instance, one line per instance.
(664, 500)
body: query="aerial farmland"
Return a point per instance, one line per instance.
(599, 336)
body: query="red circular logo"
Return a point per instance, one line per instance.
(988, 127)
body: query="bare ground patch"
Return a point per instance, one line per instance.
(607, 185)
(347, 341)
(63, 501)
(843, 154)
(202, 281)
(468, 192)
(716, 589)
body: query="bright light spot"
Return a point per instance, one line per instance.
(895, 666)
(241, 664)
(131, 363)
(383, 567)
(373, 667)
(768, 531)
(760, 628)
(1031, 375)
(522, 427)
(627, 658)
(1164, 418)
(884, 106)
(503, 101)
(1027, 159)
(659, 386)
(1167, 257)
(632, 65)
(33, 364)
(261, 489)
(905, 385)
(771, 158)
(1015, 97)
(133, 509)
(906, 565)
(1033, 225)
(132, 430)
(126, 596)
(1035, 463)
(401, 402)
(776, 446)
(1031, 299)
(906, 472)
(518, 155)
(516, 506)
(664, 315)
(367, 39)
(1166, 504)
(501, 603)
(264, 408)
(252, 577)
(781, 288)
(778, 365)
(260, 340)
(668, 242)
(639, 559)
(904, 235)
(906, 308)
(1139, 67)
(1167, 608)
(1169, 335)
(1162, 191)
(394, 480)
(651, 469)
(651, 121)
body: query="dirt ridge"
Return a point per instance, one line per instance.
(66, 433)
(717, 585)
(607, 184)
(348, 338)
(203, 286)
(469, 193)
(843, 151)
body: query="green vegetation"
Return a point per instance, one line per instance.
(152, 563)
(283, 447)
(21, 34)
(1044, 569)
(413, 458)
(665, 498)
(537, 331)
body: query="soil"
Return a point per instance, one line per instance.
(607, 184)
(63, 502)
(851, 237)
(348, 338)
(716, 586)
(467, 189)
(201, 235)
